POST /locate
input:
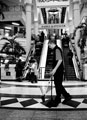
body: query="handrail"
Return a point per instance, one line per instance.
(13, 8)
(76, 61)
(43, 58)
(41, 73)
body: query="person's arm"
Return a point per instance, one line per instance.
(59, 59)
(55, 68)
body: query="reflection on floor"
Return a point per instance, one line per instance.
(26, 95)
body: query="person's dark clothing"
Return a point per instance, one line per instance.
(65, 42)
(31, 77)
(70, 55)
(42, 36)
(18, 69)
(58, 76)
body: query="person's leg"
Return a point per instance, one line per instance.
(58, 78)
(18, 75)
(64, 92)
(44, 89)
(32, 77)
(57, 89)
(66, 95)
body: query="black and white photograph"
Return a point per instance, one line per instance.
(43, 59)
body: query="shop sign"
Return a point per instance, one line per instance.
(51, 3)
(52, 26)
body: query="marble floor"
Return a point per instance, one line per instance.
(27, 95)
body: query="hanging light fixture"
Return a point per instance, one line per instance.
(53, 11)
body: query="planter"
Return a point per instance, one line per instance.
(8, 74)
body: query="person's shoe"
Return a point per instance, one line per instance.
(43, 98)
(53, 103)
(50, 103)
(67, 99)
(56, 103)
(35, 81)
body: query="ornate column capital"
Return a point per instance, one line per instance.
(76, 1)
(27, 5)
(28, 2)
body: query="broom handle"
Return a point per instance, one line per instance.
(51, 86)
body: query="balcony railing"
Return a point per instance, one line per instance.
(13, 8)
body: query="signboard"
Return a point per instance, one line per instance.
(52, 26)
(52, 3)
(48, 0)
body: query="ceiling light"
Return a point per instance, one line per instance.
(14, 23)
(9, 28)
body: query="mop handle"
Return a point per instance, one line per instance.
(52, 78)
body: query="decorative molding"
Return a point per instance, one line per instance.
(28, 2)
(9, 16)
(52, 4)
(51, 0)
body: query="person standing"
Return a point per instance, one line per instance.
(42, 36)
(57, 72)
(18, 68)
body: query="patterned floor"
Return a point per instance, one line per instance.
(26, 95)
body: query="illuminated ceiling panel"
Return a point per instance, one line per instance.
(45, 14)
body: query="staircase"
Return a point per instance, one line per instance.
(69, 70)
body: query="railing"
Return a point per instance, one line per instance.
(41, 73)
(13, 8)
(77, 67)
(43, 59)
(76, 63)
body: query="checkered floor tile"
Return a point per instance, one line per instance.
(37, 103)
(25, 95)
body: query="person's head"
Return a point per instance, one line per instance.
(52, 42)
(32, 60)
(52, 37)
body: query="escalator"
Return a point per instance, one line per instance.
(37, 55)
(38, 50)
(49, 63)
(69, 69)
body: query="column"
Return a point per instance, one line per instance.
(35, 12)
(76, 22)
(28, 4)
(36, 27)
(76, 13)
(60, 21)
(71, 25)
